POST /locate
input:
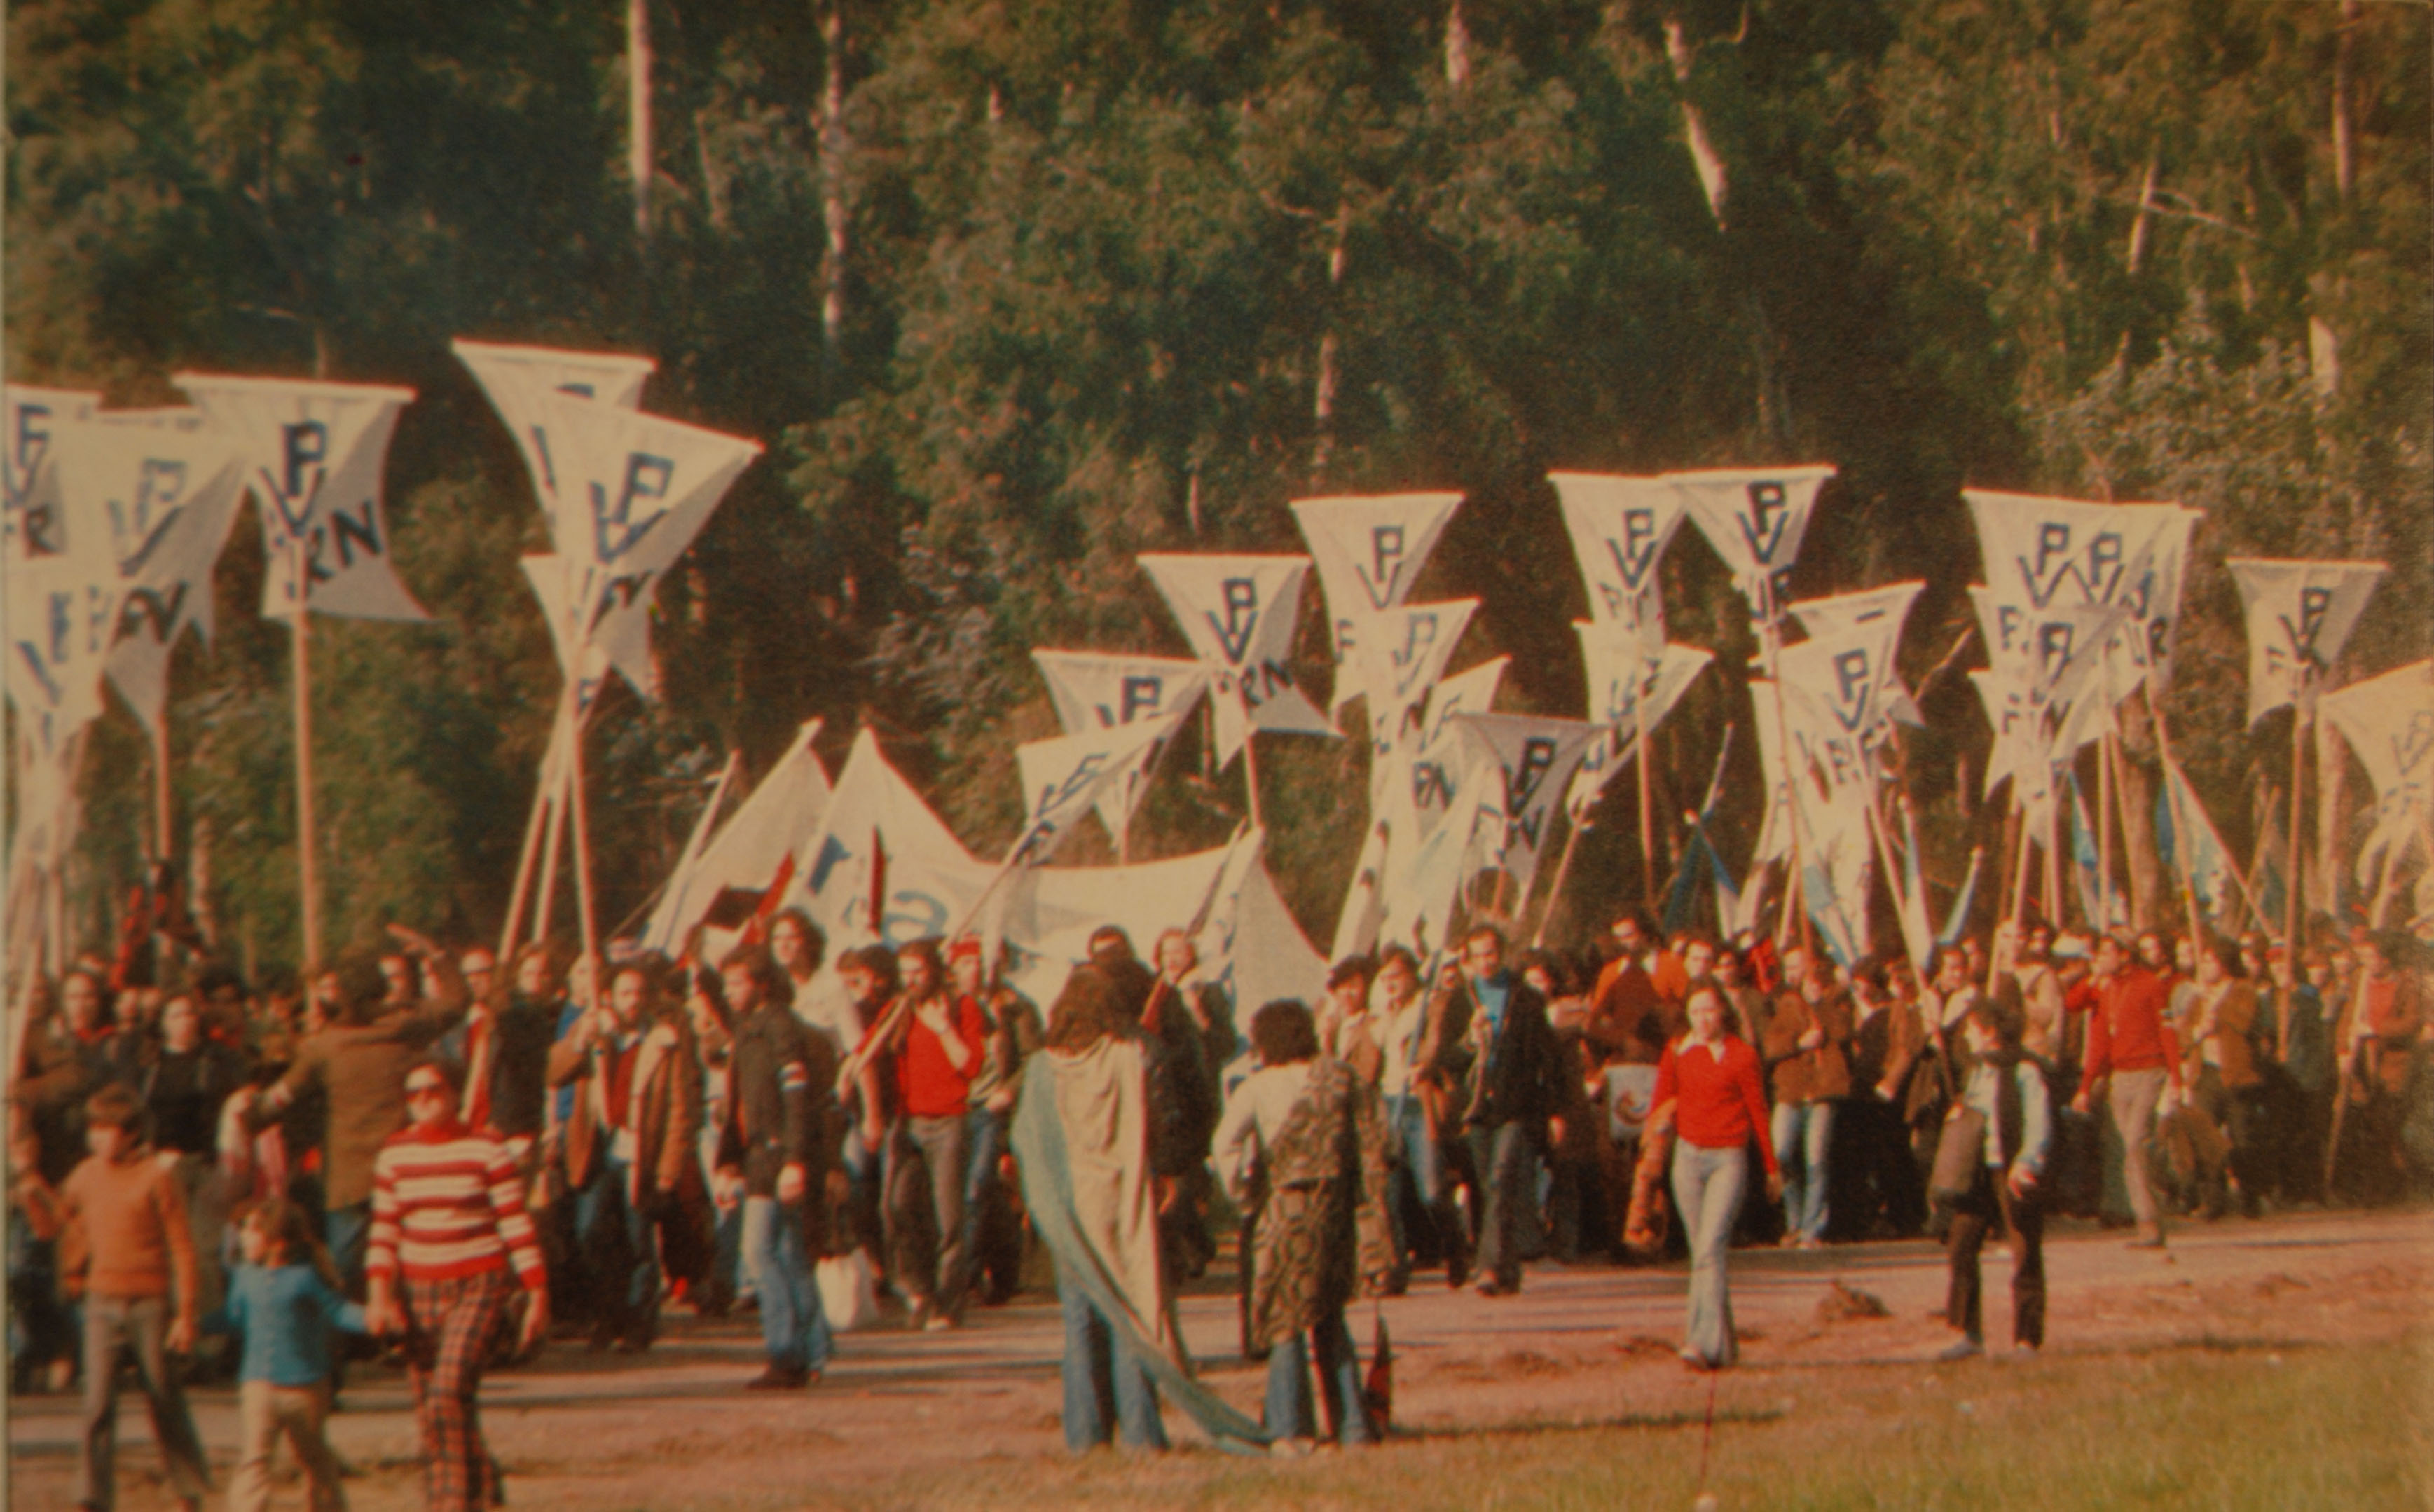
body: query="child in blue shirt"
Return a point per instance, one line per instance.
(283, 1299)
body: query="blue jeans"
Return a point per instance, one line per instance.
(1106, 1390)
(984, 1139)
(793, 1328)
(1419, 1188)
(1802, 1133)
(1290, 1413)
(621, 1263)
(1707, 1187)
(348, 1231)
(1501, 1154)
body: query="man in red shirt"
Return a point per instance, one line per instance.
(2129, 1040)
(939, 1050)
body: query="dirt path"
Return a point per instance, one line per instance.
(1588, 1344)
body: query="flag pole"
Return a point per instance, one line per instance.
(1647, 798)
(543, 807)
(549, 847)
(588, 921)
(1555, 889)
(308, 870)
(1251, 774)
(2302, 717)
(2105, 815)
(1796, 890)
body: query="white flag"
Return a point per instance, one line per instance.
(2390, 722)
(2024, 747)
(1629, 690)
(32, 417)
(2152, 591)
(1369, 550)
(879, 843)
(62, 618)
(2045, 553)
(620, 639)
(1423, 776)
(1050, 928)
(519, 379)
(751, 849)
(636, 489)
(1420, 900)
(2300, 615)
(1530, 761)
(1094, 690)
(1398, 656)
(1065, 778)
(1239, 614)
(167, 484)
(1846, 668)
(312, 454)
(1755, 519)
(1356, 921)
(1262, 954)
(1620, 528)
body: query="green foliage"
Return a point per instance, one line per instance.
(1099, 268)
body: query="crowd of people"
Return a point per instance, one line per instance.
(453, 1162)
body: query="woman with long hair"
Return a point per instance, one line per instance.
(1710, 1077)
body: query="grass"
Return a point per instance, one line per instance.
(2195, 1428)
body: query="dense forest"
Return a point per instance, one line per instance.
(1014, 292)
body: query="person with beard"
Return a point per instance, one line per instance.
(868, 978)
(939, 1043)
(504, 1046)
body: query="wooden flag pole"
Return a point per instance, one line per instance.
(1556, 888)
(549, 847)
(1647, 797)
(308, 872)
(543, 810)
(2302, 713)
(588, 919)
(1795, 889)
(2104, 818)
(1251, 774)
(163, 798)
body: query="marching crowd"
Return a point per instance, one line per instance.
(421, 1153)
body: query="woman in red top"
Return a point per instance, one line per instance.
(1711, 1079)
(939, 1051)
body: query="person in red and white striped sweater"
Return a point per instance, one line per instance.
(449, 1222)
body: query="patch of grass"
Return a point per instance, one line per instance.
(2197, 1428)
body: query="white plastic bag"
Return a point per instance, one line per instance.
(849, 1291)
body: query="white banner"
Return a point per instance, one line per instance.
(519, 379)
(313, 454)
(1369, 550)
(1050, 924)
(2300, 615)
(877, 837)
(1620, 528)
(2024, 746)
(2046, 555)
(751, 848)
(32, 417)
(1623, 679)
(1529, 761)
(2152, 593)
(168, 484)
(62, 618)
(1857, 618)
(2390, 722)
(636, 489)
(1398, 656)
(1239, 614)
(1424, 776)
(1846, 672)
(1755, 519)
(1356, 921)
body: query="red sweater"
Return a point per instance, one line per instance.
(1718, 1099)
(2127, 1031)
(935, 1084)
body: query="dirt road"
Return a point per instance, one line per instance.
(1584, 1344)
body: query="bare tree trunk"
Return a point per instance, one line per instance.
(2141, 226)
(1323, 404)
(833, 206)
(1457, 49)
(1703, 156)
(2344, 86)
(714, 180)
(638, 113)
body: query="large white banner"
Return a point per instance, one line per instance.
(1620, 528)
(1398, 655)
(1755, 519)
(313, 454)
(634, 490)
(2046, 555)
(1529, 761)
(619, 640)
(882, 868)
(167, 483)
(30, 418)
(519, 379)
(753, 847)
(1369, 549)
(1426, 775)
(2390, 722)
(62, 618)
(2300, 615)
(1239, 614)
(1094, 690)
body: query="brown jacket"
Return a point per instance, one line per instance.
(2234, 1016)
(1810, 1076)
(361, 1068)
(662, 1107)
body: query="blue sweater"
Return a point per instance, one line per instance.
(286, 1313)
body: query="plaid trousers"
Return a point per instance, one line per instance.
(452, 1322)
